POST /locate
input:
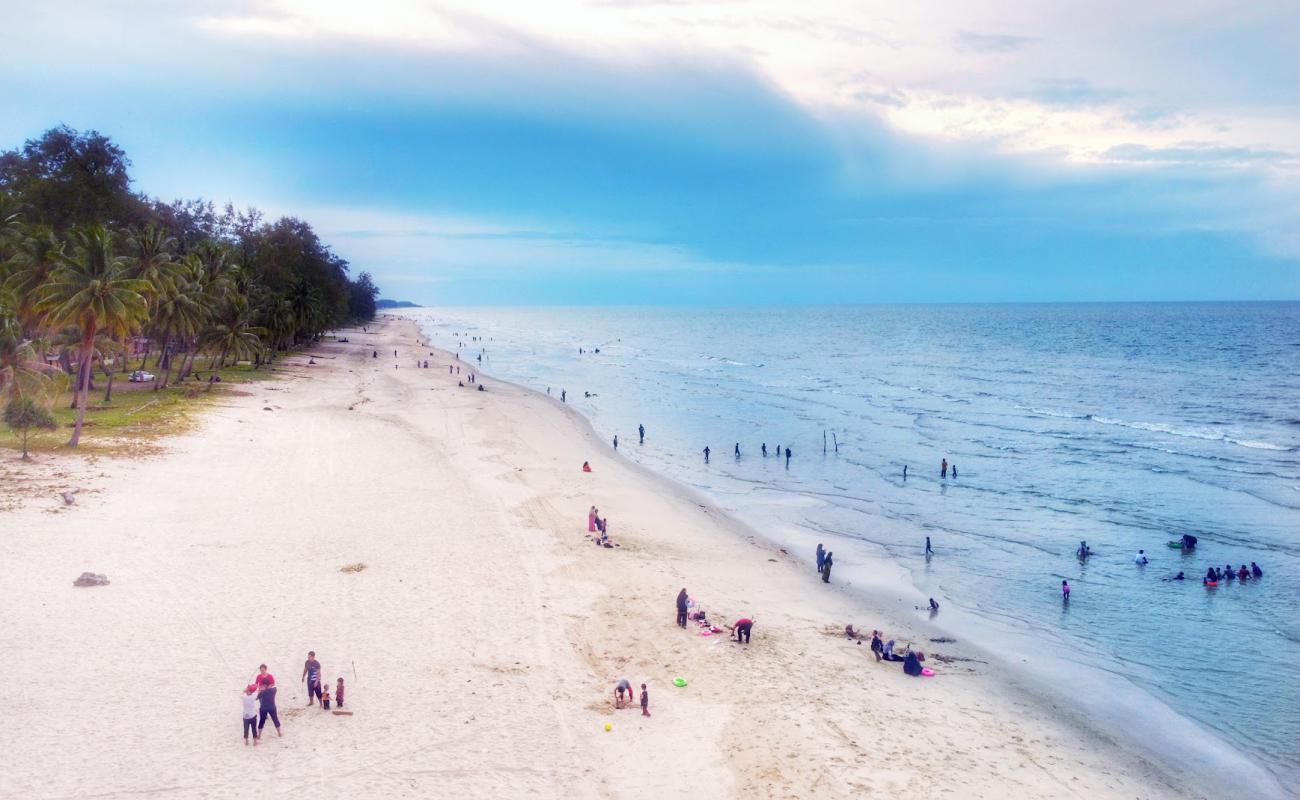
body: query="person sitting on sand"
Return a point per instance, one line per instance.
(877, 646)
(850, 633)
(681, 608)
(586, 467)
(624, 685)
(887, 651)
(742, 627)
(338, 694)
(249, 698)
(912, 664)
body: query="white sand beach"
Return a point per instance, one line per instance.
(482, 641)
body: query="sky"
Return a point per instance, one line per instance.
(726, 152)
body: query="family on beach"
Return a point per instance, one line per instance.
(259, 698)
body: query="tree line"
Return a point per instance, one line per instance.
(94, 274)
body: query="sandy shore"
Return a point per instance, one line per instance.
(482, 641)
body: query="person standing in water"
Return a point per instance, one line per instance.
(616, 441)
(640, 429)
(764, 449)
(706, 454)
(904, 472)
(943, 469)
(821, 557)
(954, 472)
(929, 551)
(826, 568)
(737, 451)
(787, 458)
(1065, 591)
(564, 396)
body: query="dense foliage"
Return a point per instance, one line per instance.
(94, 274)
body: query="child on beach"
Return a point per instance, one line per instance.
(624, 685)
(325, 697)
(645, 701)
(249, 698)
(338, 694)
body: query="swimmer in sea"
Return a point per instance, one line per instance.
(1141, 558)
(1084, 550)
(1255, 571)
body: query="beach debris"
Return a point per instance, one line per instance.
(679, 681)
(608, 727)
(350, 568)
(91, 579)
(266, 408)
(68, 498)
(943, 640)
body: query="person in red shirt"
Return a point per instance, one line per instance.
(742, 628)
(263, 678)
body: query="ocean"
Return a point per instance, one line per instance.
(1125, 425)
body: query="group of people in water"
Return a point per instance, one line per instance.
(1186, 544)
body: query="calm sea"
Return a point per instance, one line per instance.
(1125, 425)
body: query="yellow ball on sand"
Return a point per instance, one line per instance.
(609, 726)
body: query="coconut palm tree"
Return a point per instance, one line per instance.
(231, 334)
(93, 289)
(181, 315)
(22, 371)
(37, 256)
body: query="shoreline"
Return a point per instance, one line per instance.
(483, 639)
(1203, 757)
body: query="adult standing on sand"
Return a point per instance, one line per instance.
(266, 708)
(821, 557)
(311, 674)
(681, 608)
(826, 568)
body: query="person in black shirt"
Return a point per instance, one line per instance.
(311, 674)
(266, 706)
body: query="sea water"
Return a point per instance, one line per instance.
(1126, 425)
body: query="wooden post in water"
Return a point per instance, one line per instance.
(837, 441)
(823, 440)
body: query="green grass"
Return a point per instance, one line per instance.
(137, 417)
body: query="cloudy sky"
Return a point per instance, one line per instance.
(735, 151)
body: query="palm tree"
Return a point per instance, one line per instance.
(34, 262)
(93, 290)
(232, 334)
(22, 372)
(180, 314)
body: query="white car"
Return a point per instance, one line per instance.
(141, 376)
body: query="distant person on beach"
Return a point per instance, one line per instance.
(624, 685)
(826, 567)
(338, 693)
(266, 708)
(645, 701)
(912, 664)
(591, 520)
(737, 451)
(877, 646)
(1065, 590)
(586, 466)
(564, 396)
(850, 633)
(929, 551)
(904, 472)
(616, 441)
(787, 457)
(954, 471)
(1141, 558)
(933, 606)
(764, 449)
(374, 354)
(249, 699)
(640, 429)
(311, 674)
(681, 608)
(706, 454)
(1255, 571)
(394, 354)
(325, 698)
(821, 557)
(743, 627)
(263, 678)
(943, 469)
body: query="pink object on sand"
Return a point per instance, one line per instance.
(926, 672)
(706, 632)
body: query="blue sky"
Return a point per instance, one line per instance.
(595, 151)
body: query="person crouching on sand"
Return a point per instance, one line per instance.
(624, 685)
(742, 627)
(249, 699)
